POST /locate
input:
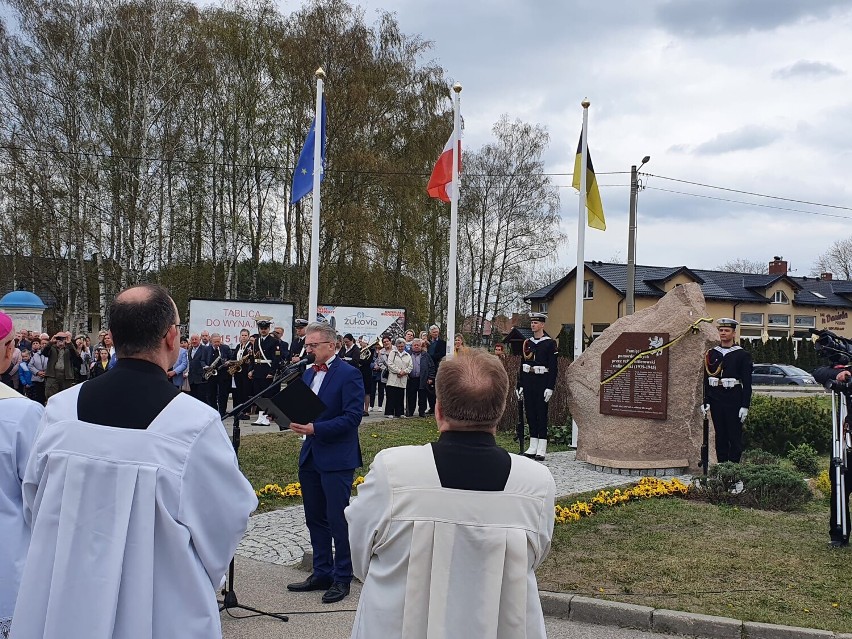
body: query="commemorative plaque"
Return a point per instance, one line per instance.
(640, 388)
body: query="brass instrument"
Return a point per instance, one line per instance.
(237, 365)
(366, 351)
(212, 370)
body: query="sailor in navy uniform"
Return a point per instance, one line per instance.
(297, 349)
(265, 362)
(727, 391)
(536, 380)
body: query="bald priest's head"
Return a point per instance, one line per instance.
(471, 390)
(143, 321)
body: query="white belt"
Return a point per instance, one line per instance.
(262, 361)
(725, 382)
(537, 370)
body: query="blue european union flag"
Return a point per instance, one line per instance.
(303, 176)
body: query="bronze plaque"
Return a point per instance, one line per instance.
(642, 388)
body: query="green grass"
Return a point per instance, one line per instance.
(687, 555)
(273, 458)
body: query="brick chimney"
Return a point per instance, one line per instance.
(825, 277)
(778, 266)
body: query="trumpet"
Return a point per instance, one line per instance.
(212, 370)
(366, 352)
(237, 365)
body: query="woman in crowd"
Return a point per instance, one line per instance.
(101, 364)
(458, 343)
(25, 376)
(180, 371)
(380, 372)
(399, 366)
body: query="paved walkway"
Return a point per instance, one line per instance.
(280, 536)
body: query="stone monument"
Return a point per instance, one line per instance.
(637, 401)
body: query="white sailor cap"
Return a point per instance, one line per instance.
(263, 321)
(727, 322)
(538, 317)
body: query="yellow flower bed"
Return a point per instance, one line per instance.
(646, 488)
(823, 483)
(292, 490)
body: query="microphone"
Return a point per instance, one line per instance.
(299, 364)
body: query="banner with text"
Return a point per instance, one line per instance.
(367, 321)
(229, 317)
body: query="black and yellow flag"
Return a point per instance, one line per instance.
(593, 195)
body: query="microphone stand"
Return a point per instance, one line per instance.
(229, 597)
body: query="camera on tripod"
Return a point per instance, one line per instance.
(837, 349)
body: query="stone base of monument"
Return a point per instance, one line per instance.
(660, 468)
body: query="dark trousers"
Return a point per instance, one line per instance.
(534, 405)
(37, 393)
(223, 390)
(414, 396)
(325, 495)
(729, 431)
(396, 400)
(243, 390)
(378, 397)
(199, 391)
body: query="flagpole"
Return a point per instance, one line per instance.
(580, 271)
(319, 134)
(454, 225)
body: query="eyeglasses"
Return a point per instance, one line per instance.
(313, 345)
(177, 326)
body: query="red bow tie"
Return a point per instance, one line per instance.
(320, 368)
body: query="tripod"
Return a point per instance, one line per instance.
(229, 597)
(841, 407)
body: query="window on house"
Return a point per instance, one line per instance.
(779, 320)
(805, 321)
(754, 319)
(588, 289)
(780, 298)
(542, 307)
(597, 329)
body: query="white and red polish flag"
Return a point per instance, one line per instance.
(441, 183)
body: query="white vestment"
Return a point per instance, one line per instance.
(440, 563)
(132, 530)
(19, 418)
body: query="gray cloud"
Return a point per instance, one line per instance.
(708, 18)
(807, 68)
(744, 139)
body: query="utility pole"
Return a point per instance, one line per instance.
(631, 238)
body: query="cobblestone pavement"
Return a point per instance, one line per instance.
(280, 536)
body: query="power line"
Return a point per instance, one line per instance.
(772, 197)
(764, 206)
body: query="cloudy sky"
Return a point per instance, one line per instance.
(749, 95)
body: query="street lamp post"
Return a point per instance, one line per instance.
(631, 237)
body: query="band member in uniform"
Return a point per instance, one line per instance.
(351, 353)
(727, 391)
(297, 350)
(536, 380)
(221, 381)
(241, 383)
(265, 362)
(285, 347)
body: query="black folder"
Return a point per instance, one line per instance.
(295, 403)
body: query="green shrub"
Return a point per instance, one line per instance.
(776, 424)
(805, 459)
(763, 487)
(759, 457)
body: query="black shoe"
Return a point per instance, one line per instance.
(429, 413)
(537, 457)
(337, 592)
(422, 415)
(311, 583)
(529, 455)
(365, 414)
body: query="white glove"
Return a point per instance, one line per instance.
(743, 414)
(705, 408)
(548, 393)
(519, 393)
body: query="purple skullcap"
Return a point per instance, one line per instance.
(6, 325)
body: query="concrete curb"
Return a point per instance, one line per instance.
(613, 613)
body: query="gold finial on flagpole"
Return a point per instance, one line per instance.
(320, 74)
(457, 87)
(585, 103)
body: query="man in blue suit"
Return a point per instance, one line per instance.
(330, 454)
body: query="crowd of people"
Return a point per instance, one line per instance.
(122, 502)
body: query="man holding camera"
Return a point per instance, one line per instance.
(727, 391)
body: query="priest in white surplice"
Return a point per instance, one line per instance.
(19, 418)
(134, 497)
(446, 537)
